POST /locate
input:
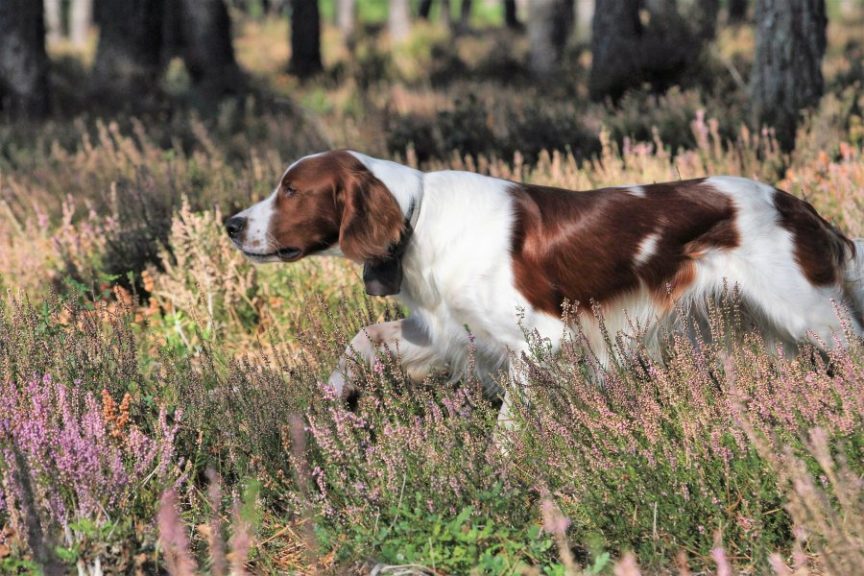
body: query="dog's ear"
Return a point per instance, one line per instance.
(371, 229)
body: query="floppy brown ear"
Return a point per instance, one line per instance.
(372, 221)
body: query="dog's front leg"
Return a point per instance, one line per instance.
(406, 339)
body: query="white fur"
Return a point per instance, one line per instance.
(637, 191)
(459, 281)
(647, 249)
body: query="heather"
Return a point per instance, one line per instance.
(162, 406)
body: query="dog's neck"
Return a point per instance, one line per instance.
(406, 185)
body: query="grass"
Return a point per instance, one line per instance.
(125, 310)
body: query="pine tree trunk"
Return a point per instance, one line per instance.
(23, 62)
(627, 54)
(305, 38)
(80, 21)
(465, 13)
(129, 55)
(705, 18)
(206, 45)
(54, 20)
(549, 24)
(615, 36)
(424, 9)
(511, 17)
(398, 20)
(737, 11)
(787, 73)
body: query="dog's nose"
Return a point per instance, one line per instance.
(234, 226)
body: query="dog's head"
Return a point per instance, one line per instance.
(328, 203)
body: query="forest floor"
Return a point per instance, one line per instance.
(160, 399)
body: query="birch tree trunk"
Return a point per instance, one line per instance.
(80, 21)
(346, 16)
(398, 20)
(54, 20)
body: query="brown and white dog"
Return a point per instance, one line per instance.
(498, 257)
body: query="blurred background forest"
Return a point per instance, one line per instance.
(147, 371)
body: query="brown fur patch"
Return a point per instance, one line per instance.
(333, 198)
(582, 246)
(820, 249)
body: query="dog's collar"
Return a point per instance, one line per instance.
(411, 218)
(384, 277)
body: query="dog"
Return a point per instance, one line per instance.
(479, 261)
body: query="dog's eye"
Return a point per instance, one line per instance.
(288, 190)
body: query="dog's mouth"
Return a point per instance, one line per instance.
(287, 254)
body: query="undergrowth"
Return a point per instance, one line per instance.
(163, 403)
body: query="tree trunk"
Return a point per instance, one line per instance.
(80, 21)
(128, 58)
(465, 13)
(705, 18)
(305, 38)
(511, 17)
(346, 16)
(446, 14)
(787, 74)
(424, 9)
(23, 62)
(398, 20)
(54, 20)
(662, 8)
(737, 11)
(549, 24)
(584, 18)
(626, 54)
(615, 36)
(206, 45)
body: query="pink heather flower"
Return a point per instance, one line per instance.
(627, 566)
(172, 537)
(554, 522)
(779, 567)
(723, 566)
(79, 471)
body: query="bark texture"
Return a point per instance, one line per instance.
(129, 55)
(424, 9)
(705, 18)
(305, 38)
(626, 54)
(787, 72)
(737, 11)
(549, 25)
(511, 17)
(23, 62)
(465, 13)
(206, 45)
